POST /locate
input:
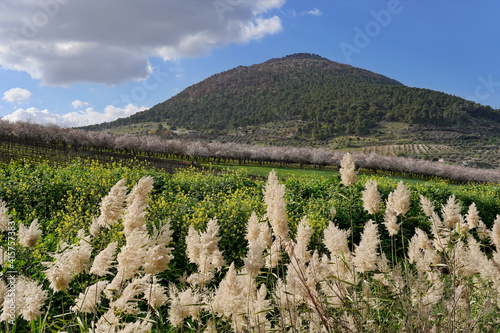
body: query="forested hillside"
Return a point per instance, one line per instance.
(316, 97)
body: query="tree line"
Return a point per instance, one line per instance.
(53, 136)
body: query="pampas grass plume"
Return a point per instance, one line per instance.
(4, 218)
(391, 222)
(112, 205)
(183, 304)
(253, 229)
(472, 216)
(365, 254)
(137, 201)
(104, 260)
(347, 170)
(274, 198)
(399, 200)
(29, 236)
(335, 240)
(87, 301)
(427, 206)
(154, 293)
(495, 233)
(371, 197)
(451, 213)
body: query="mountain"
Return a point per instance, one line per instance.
(308, 96)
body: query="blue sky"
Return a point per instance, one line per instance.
(79, 62)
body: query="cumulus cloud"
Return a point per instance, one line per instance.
(77, 104)
(89, 116)
(62, 42)
(16, 95)
(315, 12)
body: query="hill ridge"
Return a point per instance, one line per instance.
(316, 97)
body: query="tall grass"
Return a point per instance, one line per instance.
(447, 280)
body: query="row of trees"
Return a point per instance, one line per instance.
(57, 137)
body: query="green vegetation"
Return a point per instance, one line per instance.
(66, 199)
(325, 98)
(307, 100)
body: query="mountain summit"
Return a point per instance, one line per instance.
(309, 94)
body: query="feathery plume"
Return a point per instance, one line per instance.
(391, 222)
(4, 218)
(183, 304)
(365, 254)
(29, 298)
(257, 311)
(427, 206)
(495, 233)
(162, 236)
(107, 323)
(202, 250)
(451, 213)
(137, 201)
(87, 301)
(158, 255)
(472, 216)
(2, 258)
(104, 260)
(335, 240)
(154, 293)
(265, 234)
(274, 198)
(33, 297)
(347, 170)
(112, 205)
(274, 256)
(253, 229)
(130, 259)
(157, 259)
(304, 233)
(139, 326)
(127, 302)
(29, 236)
(254, 259)
(3, 292)
(78, 257)
(482, 231)
(340, 261)
(399, 200)
(58, 275)
(371, 197)
(228, 300)
(72, 261)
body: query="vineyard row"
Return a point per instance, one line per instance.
(52, 136)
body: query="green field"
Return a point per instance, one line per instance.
(66, 199)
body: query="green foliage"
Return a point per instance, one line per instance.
(66, 199)
(325, 98)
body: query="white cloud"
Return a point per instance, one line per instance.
(73, 119)
(315, 11)
(16, 95)
(77, 104)
(62, 42)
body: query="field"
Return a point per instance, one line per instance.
(388, 139)
(176, 218)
